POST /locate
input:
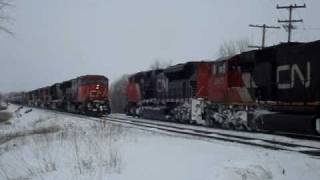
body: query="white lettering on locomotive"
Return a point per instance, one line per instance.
(294, 70)
(162, 85)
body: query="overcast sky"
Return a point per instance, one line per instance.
(56, 40)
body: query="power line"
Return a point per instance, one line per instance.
(302, 35)
(276, 13)
(264, 28)
(290, 27)
(307, 28)
(273, 4)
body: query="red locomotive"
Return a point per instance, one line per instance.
(86, 94)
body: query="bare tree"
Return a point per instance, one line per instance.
(230, 48)
(158, 64)
(243, 45)
(3, 17)
(118, 94)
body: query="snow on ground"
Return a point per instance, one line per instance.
(44, 144)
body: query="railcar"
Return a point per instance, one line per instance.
(292, 88)
(273, 89)
(269, 89)
(141, 86)
(172, 91)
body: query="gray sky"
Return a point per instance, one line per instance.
(56, 40)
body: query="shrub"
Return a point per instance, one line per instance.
(5, 116)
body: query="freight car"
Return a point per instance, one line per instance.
(273, 89)
(85, 94)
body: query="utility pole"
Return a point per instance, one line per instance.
(290, 21)
(264, 30)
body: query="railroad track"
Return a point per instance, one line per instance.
(175, 124)
(258, 142)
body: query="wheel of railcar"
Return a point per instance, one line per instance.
(317, 125)
(231, 126)
(244, 128)
(208, 121)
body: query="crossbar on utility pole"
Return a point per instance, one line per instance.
(264, 30)
(290, 20)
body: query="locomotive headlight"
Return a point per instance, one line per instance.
(318, 125)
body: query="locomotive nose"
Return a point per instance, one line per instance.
(96, 91)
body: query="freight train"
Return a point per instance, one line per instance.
(272, 89)
(85, 94)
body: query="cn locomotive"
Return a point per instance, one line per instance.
(85, 94)
(272, 89)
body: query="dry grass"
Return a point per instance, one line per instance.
(88, 152)
(3, 108)
(5, 116)
(45, 130)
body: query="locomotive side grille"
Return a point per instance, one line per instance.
(193, 85)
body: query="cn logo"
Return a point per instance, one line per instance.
(162, 85)
(294, 71)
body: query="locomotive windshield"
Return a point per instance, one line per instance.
(219, 68)
(94, 81)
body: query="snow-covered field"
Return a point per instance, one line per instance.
(44, 144)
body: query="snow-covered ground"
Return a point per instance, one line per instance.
(44, 144)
